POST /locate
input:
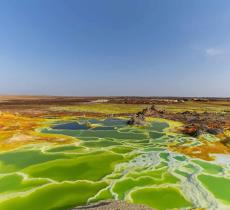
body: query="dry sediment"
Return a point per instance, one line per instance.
(113, 205)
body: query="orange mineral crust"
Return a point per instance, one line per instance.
(17, 130)
(203, 151)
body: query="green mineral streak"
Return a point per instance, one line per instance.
(159, 126)
(168, 178)
(155, 135)
(182, 173)
(100, 134)
(16, 160)
(66, 149)
(161, 175)
(114, 176)
(161, 165)
(93, 166)
(157, 174)
(104, 194)
(191, 168)
(164, 156)
(180, 158)
(15, 183)
(100, 143)
(209, 167)
(127, 184)
(219, 186)
(149, 149)
(122, 149)
(60, 196)
(160, 198)
(113, 134)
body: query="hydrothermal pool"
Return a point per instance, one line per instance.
(110, 160)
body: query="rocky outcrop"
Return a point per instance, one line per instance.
(191, 130)
(195, 123)
(139, 118)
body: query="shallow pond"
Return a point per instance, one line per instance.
(109, 160)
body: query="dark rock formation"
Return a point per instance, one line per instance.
(195, 123)
(215, 131)
(191, 130)
(137, 119)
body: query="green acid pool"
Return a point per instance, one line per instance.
(109, 161)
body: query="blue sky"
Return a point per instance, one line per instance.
(115, 47)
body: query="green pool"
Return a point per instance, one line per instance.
(117, 162)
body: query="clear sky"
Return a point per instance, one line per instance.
(115, 47)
